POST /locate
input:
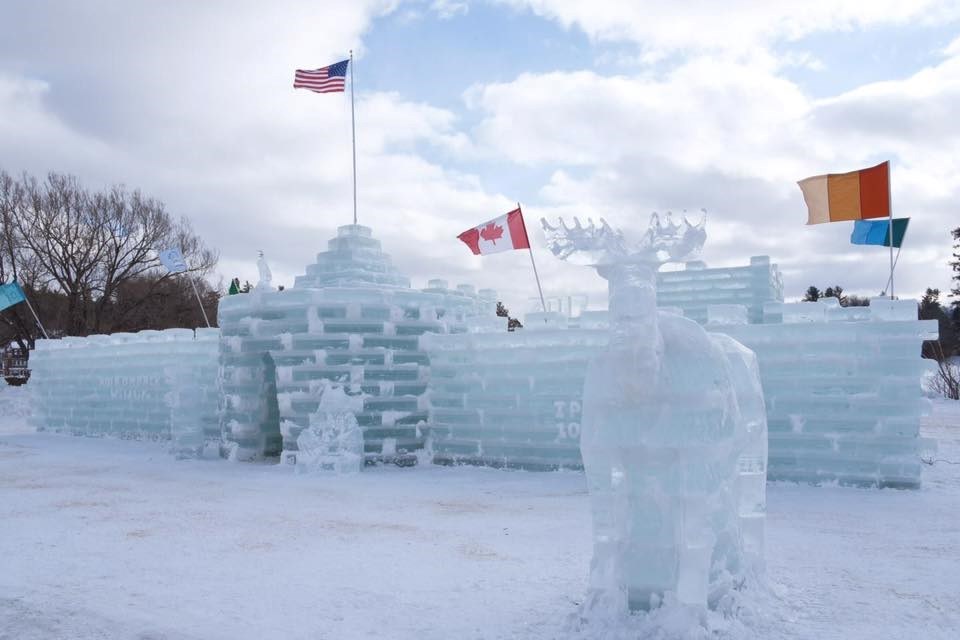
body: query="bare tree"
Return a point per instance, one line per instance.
(85, 248)
(946, 379)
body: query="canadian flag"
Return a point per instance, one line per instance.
(500, 234)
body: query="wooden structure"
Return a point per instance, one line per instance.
(14, 365)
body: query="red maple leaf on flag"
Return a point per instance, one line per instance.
(492, 232)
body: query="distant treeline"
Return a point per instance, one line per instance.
(87, 261)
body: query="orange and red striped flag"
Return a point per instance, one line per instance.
(857, 195)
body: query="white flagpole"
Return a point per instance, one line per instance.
(890, 227)
(543, 302)
(895, 261)
(35, 316)
(200, 302)
(353, 138)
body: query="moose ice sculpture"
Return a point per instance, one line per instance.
(662, 431)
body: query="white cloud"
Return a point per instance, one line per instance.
(449, 8)
(205, 118)
(734, 137)
(738, 26)
(953, 49)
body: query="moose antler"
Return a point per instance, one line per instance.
(664, 241)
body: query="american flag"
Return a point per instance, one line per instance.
(324, 80)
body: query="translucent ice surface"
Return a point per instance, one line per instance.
(159, 385)
(662, 434)
(333, 440)
(842, 390)
(353, 320)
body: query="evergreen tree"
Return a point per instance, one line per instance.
(812, 295)
(836, 291)
(955, 265)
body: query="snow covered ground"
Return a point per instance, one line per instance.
(113, 539)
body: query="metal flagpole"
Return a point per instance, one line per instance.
(35, 316)
(890, 227)
(532, 261)
(895, 261)
(202, 310)
(353, 137)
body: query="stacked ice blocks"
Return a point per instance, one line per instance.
(842, 390)
(512, 399)
(697, 287)
(152, 384)
(194, 395)
(352, 320)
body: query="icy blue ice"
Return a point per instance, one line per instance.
(159, 385)
(663, 438)
(352, 319)
(842, 389)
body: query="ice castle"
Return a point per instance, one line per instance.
(841, 386)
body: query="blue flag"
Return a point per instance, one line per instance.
(878, 232)
(10, 294)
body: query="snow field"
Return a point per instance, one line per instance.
(102, 538)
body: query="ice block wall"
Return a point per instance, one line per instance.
(842, 389)
(697, 287)
(158, 385)
(351, 320)
(512, 399)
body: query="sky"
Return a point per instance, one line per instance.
(603, 109)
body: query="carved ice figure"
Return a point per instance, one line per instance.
(333, 441)
(662, 431)
(266, 277)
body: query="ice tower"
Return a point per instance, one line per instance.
(351, 320)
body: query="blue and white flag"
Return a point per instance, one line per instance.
(173, 260)
(10, 294)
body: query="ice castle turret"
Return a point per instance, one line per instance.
(351, 324)
(353, 258)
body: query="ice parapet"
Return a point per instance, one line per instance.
(158, 385)
(662, 432)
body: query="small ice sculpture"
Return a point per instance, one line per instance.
(333, 442)
(266, 277)
(661, 431)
